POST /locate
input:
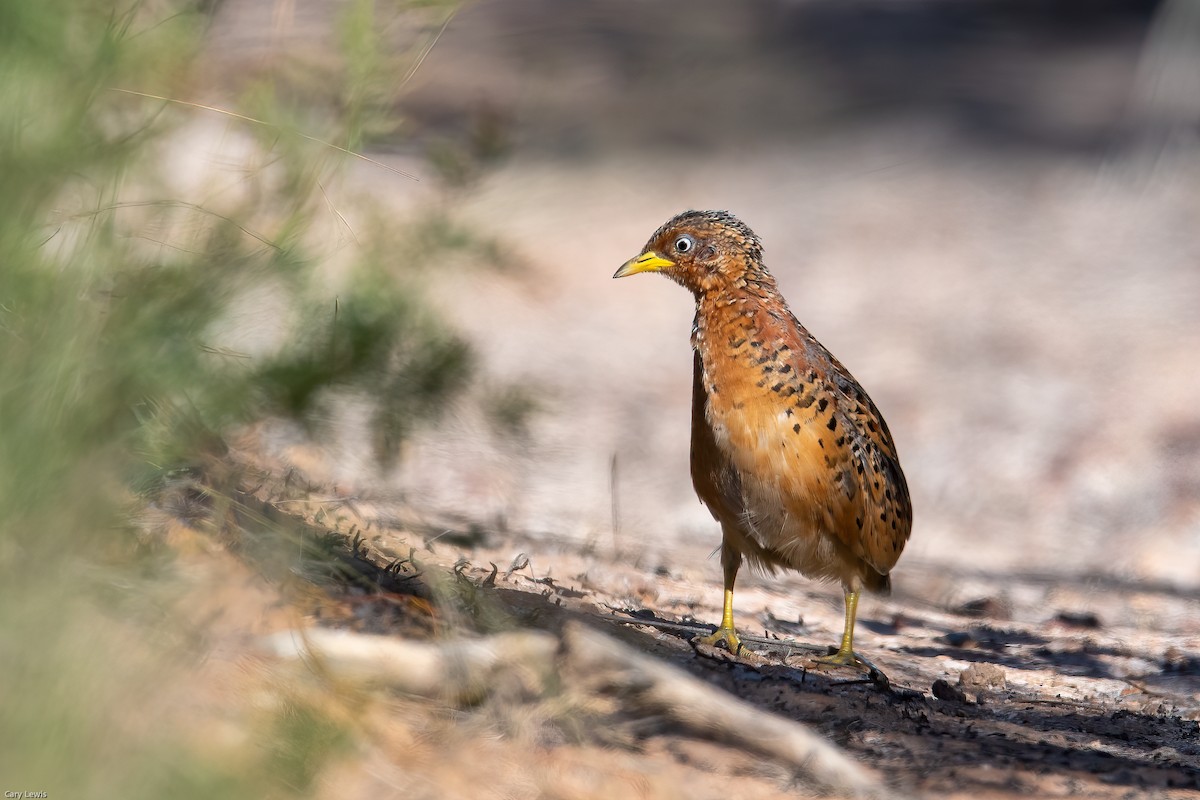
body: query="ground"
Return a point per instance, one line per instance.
(993, 698)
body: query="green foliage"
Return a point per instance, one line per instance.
(370, 76)
(374, 342)
(110, 380)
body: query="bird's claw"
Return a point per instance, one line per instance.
(726, 636)
(843, 658)
(849, 658)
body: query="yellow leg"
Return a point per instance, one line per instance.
(845, 656)
(730, 561)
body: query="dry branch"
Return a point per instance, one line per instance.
(465, 670)
(658, 687)
(459, 671)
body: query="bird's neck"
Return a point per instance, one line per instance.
(754, 288)
(736, 311)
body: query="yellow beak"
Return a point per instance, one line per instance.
(648, 261)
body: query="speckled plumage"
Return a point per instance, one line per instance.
(788, 452)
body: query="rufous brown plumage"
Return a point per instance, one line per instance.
(788, 452)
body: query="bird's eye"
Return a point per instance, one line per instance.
(684, 244)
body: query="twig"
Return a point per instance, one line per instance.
(466, 670)
(425, 54)
(336, 213)
(462, 671)
(662, 688)
(178, 204)
(264, 123)
(701, 628)
(874, 676)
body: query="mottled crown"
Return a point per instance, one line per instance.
(722, 221)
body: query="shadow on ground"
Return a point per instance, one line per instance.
(1018, 739)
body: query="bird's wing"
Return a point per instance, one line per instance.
(869, 492)
(819, 446)
(713, 475)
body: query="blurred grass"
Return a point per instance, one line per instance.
(110, 384)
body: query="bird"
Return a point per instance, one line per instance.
(788, 452)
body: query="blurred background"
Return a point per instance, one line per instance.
(987, 210)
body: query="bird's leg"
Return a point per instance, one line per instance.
(845, 656)
(730, 560)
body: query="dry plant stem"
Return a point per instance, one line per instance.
(461, 671)
(700, 628)
(661, 688)
(466, 670)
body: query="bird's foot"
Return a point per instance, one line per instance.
(722, 635)
(849, 658)
(843, 658)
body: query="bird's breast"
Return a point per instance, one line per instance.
(810, 452)
(765, 408)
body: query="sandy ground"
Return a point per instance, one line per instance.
(1027, 322)
(1016, 693)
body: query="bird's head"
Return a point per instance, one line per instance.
(704, 251)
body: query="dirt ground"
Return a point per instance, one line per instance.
(1024, 315)
(1017, 693)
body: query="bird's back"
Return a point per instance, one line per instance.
(788, 451)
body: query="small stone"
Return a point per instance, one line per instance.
(959, 639)
(943, 690)
(982, 676)
(993, 607)
(1164, 753)
(1176, 660)
(1078, 619)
